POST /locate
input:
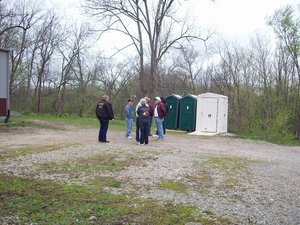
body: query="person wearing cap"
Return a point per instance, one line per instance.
(128, 118)
(159, 114)
(143, 112)
(104, 113)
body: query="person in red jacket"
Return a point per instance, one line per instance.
(159, 114)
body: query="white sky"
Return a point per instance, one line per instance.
(227, 16)
(234, 19)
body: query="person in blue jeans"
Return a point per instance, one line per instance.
(159, 114)
(128, 118)
(104, 113)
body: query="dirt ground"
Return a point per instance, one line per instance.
(264, 189)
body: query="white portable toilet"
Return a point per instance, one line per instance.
(4, 90)
(212, 114)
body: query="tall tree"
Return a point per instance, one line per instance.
(287, 29)
(155, 20)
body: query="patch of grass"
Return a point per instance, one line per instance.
(30, 201)
(224, 172)
(229, 163)
(173, 186)
(202, 181)
(118, 124)
(105, 162)
(114, 184)
(275, 138)
(13, 124)
(16, 152)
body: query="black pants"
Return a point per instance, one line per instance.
(144, 126)
(103, 130)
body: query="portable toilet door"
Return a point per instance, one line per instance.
(172, 117)
(4, 90)
(187, 115)
(212, 113)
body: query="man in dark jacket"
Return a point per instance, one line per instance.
(104, 113)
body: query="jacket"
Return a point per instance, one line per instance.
(104, 110)
(128, 112)
(161, 110)
(144, 114)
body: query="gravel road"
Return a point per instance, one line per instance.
(250, 182)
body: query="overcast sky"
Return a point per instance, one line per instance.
(234, 19)
(227, 16)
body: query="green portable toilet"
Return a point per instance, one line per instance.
(172, 118)
(187, 113)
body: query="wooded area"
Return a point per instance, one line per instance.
(55, 68)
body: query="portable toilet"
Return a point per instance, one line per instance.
(187, 113)
(172, 117)
(4, 90)
(212, 114)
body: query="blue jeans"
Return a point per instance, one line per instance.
(159, 125)
(103, 130)
(128, 127)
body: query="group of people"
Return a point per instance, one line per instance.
(144, 114)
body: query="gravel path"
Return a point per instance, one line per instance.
(249, 182)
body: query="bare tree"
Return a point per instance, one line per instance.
(16, 19)
(154, 19)
(48, 40)
(187, 69)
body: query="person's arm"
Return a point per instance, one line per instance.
(109, 111)
(127, 112)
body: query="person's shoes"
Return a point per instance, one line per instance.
(155, 135)
(104, 141)
(129, 137)
(160, 139)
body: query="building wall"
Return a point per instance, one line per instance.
(4, 92)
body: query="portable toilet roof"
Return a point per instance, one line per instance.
(172, 117)
(4, 90)
(188, 111)
(212, 114)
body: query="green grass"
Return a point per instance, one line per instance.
(102, 162)
(173, 186)
(30, 201)
(228, 173)
(21, 151)
(287, 139)
(24, 120)
(228, 163)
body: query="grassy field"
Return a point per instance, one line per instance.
(28, 200)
